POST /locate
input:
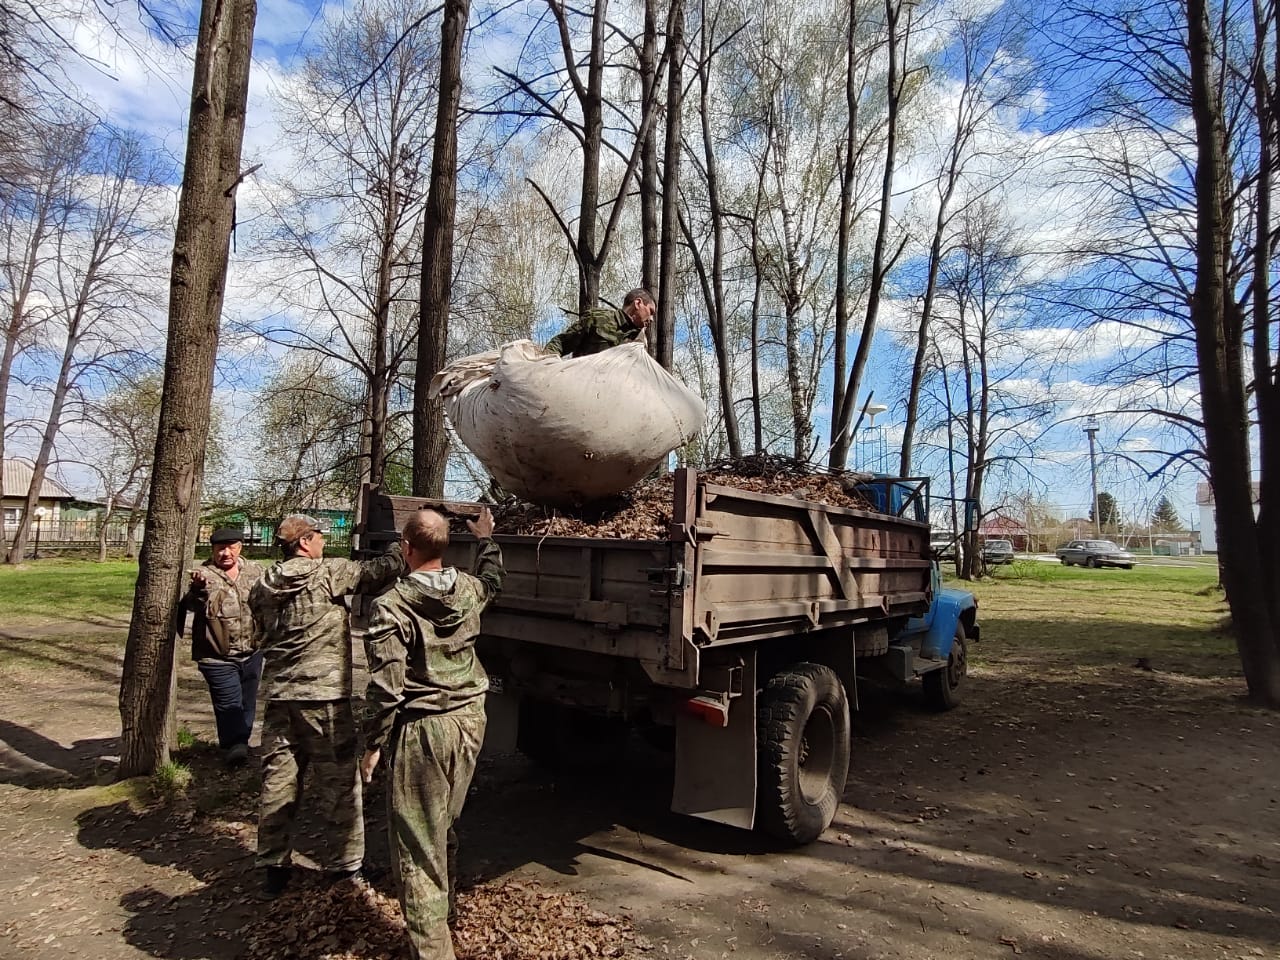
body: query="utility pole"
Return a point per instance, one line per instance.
(1091, 430)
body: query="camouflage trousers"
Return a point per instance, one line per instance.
(298, 735)
(432, 763)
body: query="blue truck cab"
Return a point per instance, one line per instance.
(934, 645)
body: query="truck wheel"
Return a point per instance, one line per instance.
(802, 723)
(942, 687)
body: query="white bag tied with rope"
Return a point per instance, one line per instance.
(565, 432)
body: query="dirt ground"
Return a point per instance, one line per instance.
(1100, 812)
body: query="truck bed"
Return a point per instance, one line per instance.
(736, 567)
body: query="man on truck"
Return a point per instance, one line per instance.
(425, 707)
(306, 647)
(605, 327)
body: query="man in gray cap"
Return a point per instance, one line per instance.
(223, 642)
(307, 722)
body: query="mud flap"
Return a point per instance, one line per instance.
(716, 766)
(502, 720)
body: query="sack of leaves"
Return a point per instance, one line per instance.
(565, 432)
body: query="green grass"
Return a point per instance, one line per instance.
(185, 739)
(1049, 617)
(67, 590)
(170, 782)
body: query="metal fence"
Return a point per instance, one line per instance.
(82, 535)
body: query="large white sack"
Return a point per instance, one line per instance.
(566, 431)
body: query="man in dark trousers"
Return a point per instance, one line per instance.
(425, 707)
(604, 327)
(224, 644)
(308, 722)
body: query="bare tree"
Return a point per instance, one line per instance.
(711, 277)
(573, 95)
(992, 388)
(307, 430)
(206, 214)
(34, 211)
(898, 20)
(102, 274)
(992, 79)
(1187, 89)
(127, 418)
(1248, 545)
(363, 119)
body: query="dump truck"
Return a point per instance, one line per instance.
(742, 635)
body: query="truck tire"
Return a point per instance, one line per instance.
(942, 688)
(802, 722)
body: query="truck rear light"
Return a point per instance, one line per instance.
(712, 711)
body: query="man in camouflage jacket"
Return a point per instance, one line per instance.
(224, 643)
(425, 707)
(306, 645)
(601, 329)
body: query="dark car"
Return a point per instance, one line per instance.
(1094, 553)
(996, 552)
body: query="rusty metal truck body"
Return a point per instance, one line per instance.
(744, 629)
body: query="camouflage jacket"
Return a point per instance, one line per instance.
(595, 330)
(421, 644)
(299, 610)
(222, 625)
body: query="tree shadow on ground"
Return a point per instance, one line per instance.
(96, 662)
(1061, 796)
(212, 892)
(28, 759)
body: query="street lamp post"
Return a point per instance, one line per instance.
(1091, 430)
(39, 514)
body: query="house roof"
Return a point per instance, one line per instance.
(1002, 525)
(1204, 493)
(17, 480)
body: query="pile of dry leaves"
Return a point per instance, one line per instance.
(644, 511)
(509, 920)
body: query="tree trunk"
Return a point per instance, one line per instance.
(1250, 586)
(45, 453)
(380, 375)
(665, 321)
(839, 456)
(713, 285)
(131, 531)
(206, 212)
(591, 101)
(922, 332)
(102, 530)
(430, 442)
(650, 241)
(49, 194)
(844, 226)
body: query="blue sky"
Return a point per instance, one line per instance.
(139, 79)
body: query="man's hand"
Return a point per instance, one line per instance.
(369, 763)
(198, 579)
(482, 526)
